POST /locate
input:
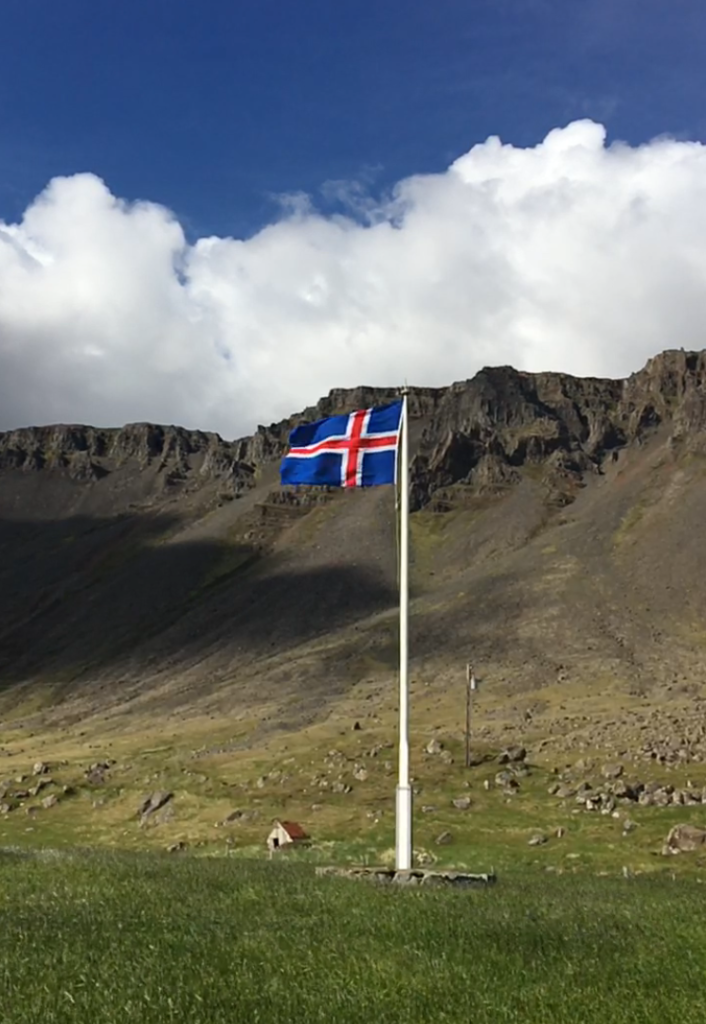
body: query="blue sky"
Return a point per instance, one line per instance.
(214, 107)
(153, 268)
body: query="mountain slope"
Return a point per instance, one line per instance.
(556, 542)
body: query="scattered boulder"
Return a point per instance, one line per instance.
(443, 839)
(341, 787)
(537, 840)
(240, 817)
(564, 791)
(177, 847)
(40, 768)
(691, 798)
(629, 826)
(360, 774)
(95, 774)
(623, 791)
(5, 808)
(512, 755)
(428, 809)
(434, 747)
(612, 771)
(462, 803)
(50, 801)
(447, 757)
(685, 839)
(155, 802)
(476, 759)
(234, 816)
(504, 778)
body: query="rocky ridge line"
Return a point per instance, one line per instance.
(475, 435)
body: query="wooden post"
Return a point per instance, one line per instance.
(469, 677)
(471, 685)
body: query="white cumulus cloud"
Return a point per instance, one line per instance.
(571, 255)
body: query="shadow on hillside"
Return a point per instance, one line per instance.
(83, 597)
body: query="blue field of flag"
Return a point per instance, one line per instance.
(354, 450)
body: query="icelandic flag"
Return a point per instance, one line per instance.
(357, 450)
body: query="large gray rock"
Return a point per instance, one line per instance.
(685, 839)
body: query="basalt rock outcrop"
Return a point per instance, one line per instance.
(87, 454)
(470, 438)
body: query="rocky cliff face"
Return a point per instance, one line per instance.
(469, 438)
(87, 454)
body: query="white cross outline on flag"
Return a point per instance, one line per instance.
(353, 445)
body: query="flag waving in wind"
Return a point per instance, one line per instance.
(357, 450)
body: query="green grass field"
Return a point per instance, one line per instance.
(128, 938)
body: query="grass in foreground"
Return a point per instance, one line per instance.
(151, 939)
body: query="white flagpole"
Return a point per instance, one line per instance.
(403, 824)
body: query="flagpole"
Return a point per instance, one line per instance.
(403, 824)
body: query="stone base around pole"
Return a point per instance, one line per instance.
(413, 877)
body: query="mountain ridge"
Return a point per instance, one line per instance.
(486, 425)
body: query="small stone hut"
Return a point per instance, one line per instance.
(286, 834)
